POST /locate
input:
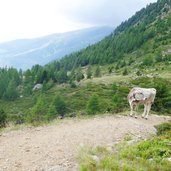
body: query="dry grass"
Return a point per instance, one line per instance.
(107, 79)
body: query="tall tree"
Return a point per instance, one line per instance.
(61, 76)
(11, 92)
(39, 110)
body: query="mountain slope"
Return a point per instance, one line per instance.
(25, 53)
(136, 55)
(147, 31)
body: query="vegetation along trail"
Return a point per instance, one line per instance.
(56, 146)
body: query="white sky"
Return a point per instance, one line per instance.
(34, 18)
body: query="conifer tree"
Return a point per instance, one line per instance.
(38, 111)
(11, 92)
(60, 105)
(79, 74)
(97, 72)
(93, 105)
(89, 72)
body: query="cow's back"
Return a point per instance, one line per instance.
(142, 94)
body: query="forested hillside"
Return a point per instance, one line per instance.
(147, 30)
(137, 53)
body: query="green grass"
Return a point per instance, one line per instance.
(107, 79)
(76, 98)
(149, 155)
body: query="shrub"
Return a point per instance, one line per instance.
(19, 118)
(138, 73)
(148, 61)
(119, 98)
(72, 84)
(89, 72)
(51, 114)
(158, 58)
(93, 105)
(97, 72)
(47, 85)
(79, 75)
(125, 72)
(59, 105)
(37, 113)
(110, 69)
(162, 128)
(3, 118)
(146, 155)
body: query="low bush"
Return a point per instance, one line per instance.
(119, 99)
(3, 118)
(93, 105)
(38, 112)
(162, 128)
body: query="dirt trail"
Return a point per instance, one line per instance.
(54, 147)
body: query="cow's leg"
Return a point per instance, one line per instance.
(136, 109)
(132, 106)
(145, 110)
(133, 110)
(148, 110)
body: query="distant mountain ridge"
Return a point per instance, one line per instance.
(24, 53)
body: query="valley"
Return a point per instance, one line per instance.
(24, 53)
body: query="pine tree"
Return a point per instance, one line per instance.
(125, 72)
(93, 105)
(51, 112)
(11, 91)
(110, 69)
(158, 58)
(60, 105)
(79, 74)
(89, 72)
(72, 75)
(97, 72)
(3, 85)
(38, 111)
(57, 108)
(61, 76)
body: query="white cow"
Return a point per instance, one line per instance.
(143, 96)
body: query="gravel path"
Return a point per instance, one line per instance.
(55, 147)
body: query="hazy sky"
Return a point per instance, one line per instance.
(34, 18)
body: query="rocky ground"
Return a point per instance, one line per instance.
(56, 146)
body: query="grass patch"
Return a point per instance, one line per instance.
(149, 155)
(76, 100)
(162, 128)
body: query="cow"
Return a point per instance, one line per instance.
(141, 96)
